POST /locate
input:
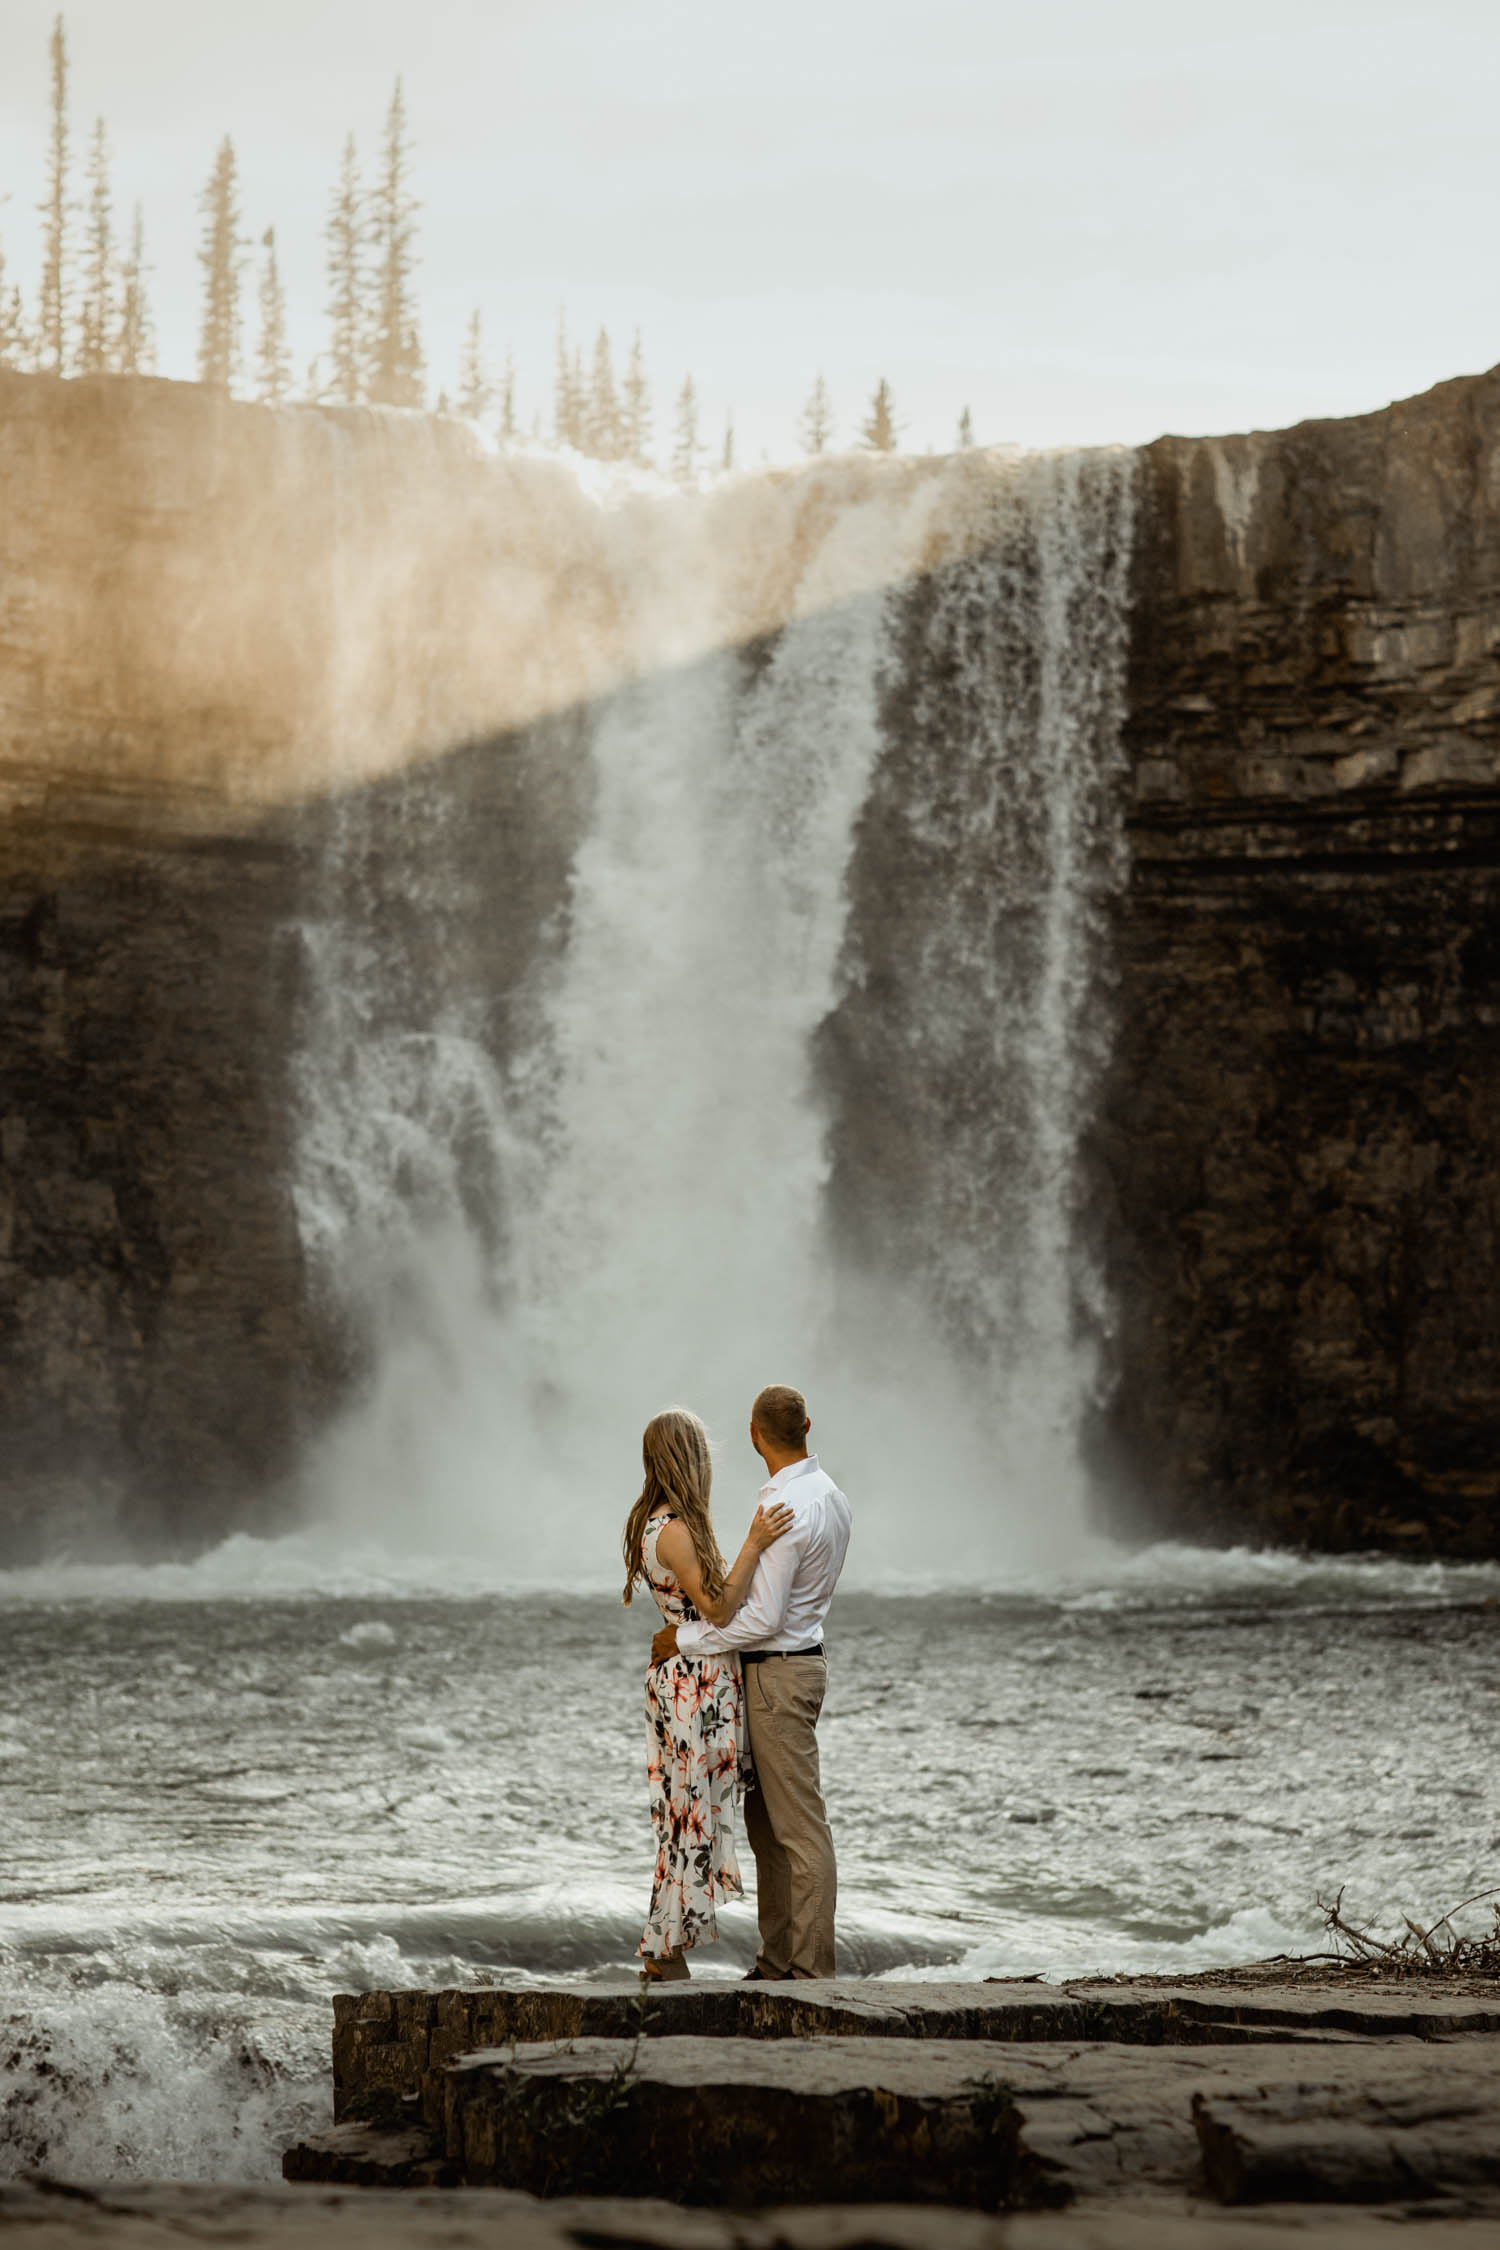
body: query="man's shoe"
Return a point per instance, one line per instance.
(758, 1975)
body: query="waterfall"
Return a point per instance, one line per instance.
(975, 1029)
(782, 1079)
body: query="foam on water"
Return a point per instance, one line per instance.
(321, 1565)
(118, 2080)
(197, 2047)
(550, 1931)
(219, 1812)
(1058, 1950)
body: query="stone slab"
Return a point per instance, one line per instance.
(1408, 2136)
(388, 2045)
(979, 2123)
(715, 2121)
(358, 2155)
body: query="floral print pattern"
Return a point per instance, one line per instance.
(696, 1765)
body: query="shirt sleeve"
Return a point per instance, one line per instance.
(762, 1613)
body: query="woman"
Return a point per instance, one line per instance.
(695, 1706)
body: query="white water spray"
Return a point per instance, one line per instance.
(652, 1156)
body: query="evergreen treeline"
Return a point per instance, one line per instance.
(93, 314)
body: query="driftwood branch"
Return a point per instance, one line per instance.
(1421, 1952)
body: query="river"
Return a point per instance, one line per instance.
(229, 1789)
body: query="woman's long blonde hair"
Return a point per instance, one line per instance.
(680, 1471)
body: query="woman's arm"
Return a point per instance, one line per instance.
(675, 1548)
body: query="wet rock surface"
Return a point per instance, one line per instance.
(390, 2049)
(713, 2121)
(862, 2092)
(1413, 2134)
(358, 2155)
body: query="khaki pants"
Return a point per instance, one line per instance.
(796, 1878)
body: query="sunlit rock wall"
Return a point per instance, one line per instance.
(1301, 1142)
(222, 633)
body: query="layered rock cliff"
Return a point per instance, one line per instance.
(227, 637)
(1301, 1126)
(223, 634)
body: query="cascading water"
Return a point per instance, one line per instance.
(974, 1029)
(791, 1084)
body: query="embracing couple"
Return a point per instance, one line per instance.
(735, 1687)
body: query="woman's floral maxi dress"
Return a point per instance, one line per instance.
(695, 1768)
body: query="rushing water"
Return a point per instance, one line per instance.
(621, 1195)
(220, 1808)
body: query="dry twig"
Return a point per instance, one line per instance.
(1421, 1952)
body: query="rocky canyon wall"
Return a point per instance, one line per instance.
(230, 638)
(223, 635)
(1300, 1147)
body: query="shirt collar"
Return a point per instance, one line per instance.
(792, 1469)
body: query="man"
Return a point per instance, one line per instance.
(779, 1634)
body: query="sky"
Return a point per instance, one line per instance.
(1087, 221)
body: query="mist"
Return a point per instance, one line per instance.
(641, 1193)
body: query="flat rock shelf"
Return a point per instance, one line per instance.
(987, 2098)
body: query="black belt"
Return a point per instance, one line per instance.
(760, 1655)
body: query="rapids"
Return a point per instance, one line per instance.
(224, 1799)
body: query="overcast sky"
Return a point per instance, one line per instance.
(1089, 220)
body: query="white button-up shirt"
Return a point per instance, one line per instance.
(794, 1580)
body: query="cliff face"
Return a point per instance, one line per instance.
(155, 1356)
(231, 645)
(1301, 1124)
(223, 636)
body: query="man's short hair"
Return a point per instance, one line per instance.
(780, 1414)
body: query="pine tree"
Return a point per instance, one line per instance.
(635, 413)
(54, 302)
(605, 440)
(685, 435)
(965, 431)
(475, 390)
(565, 401)
(15, 342)
(396, 369)
(879, 432)
(15, 336)
(816, 425)
(726, 461)
(273, 359)
(135, 339)
(97, 317)
(219, 256)
(345, 308)
(507, 431)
